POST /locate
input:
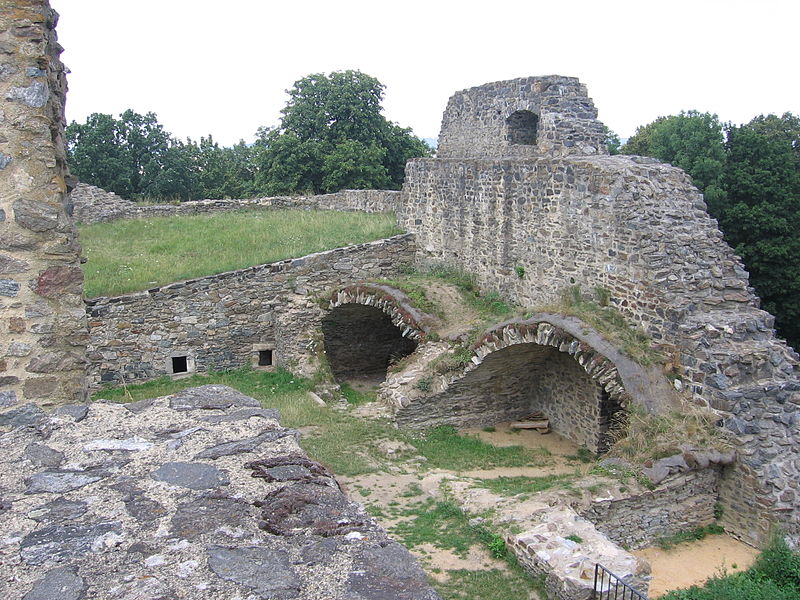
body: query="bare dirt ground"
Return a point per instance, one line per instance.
(460, 317)
(394, 492)
(693, 563)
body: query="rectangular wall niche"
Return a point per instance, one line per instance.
(264, 357)
(179, 363)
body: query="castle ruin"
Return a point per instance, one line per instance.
(523, 194)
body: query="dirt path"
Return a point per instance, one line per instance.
(693, 563)
(460, 317)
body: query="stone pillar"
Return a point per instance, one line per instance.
(42, 317)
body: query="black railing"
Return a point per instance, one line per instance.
(608, 586)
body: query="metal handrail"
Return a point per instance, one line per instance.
(608, 586)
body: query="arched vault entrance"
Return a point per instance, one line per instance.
(531, 366)
(367, 328)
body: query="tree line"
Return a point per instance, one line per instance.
(332, 136)
(750, 176)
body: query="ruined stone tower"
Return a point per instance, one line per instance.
(524, 118)
(43, 318)
(524, 195)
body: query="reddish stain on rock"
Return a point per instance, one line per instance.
(55, 281)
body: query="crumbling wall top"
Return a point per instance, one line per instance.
(526, 117)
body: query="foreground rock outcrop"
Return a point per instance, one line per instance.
(197, 495)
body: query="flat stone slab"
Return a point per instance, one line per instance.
(244, 446)
(58, 511)
(195, 476)
(208, 397)
(203, 497)
(59, 482)
(268, 572)
(63, 542)
(27, 414)
(62, 583)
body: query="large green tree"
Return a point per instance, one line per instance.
(332, 136)
(693, 141)
(761, 216)
(122, 155)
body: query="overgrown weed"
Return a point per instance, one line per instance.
(649, 436)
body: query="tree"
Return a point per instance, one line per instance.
(760, 219)
(694, 142)
(613, 142)
(121, 155)
(332, 136)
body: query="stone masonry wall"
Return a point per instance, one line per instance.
(95, 205)
(222, 321)
(680, 503)
(43, 322)
(565, 394)
(476, 122)
(201, 495)
(640, 230)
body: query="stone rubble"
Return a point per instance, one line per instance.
(197, 495)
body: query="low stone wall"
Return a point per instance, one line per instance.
(224, 321)
(198, 495)
(568, 567)
(95, 205)
(680, 503)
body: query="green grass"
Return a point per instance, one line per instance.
(692, 535)
(444, 525)
(137, 254)
(415, 290)
(511, 486)
(445, 448)
(355, 397)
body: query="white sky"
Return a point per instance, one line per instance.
(208, 66)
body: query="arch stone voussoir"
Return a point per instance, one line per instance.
(412, 322)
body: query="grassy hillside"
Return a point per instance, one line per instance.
(136, 254)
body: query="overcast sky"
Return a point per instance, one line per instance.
(222, 68)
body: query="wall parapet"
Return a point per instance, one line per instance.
(95, 205)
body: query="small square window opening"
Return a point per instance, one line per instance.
(265, 358)
(180, 364)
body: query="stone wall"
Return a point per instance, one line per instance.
(639, 230)
(43, 325)
(532, 116)
(680, 503)
(95, 205)
(223, 321)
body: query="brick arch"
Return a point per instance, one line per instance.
(597, 366)
(412, 323)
